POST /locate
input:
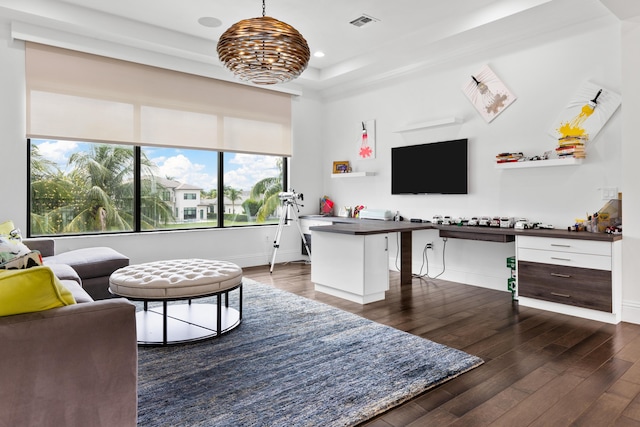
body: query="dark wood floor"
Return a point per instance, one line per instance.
(541, 368)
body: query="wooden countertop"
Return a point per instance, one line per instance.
(357, 226)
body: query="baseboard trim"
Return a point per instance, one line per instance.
(631, 311)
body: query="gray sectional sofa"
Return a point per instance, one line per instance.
(93, 265)
(74, 365)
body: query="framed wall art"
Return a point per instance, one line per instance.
(341, 166)
(367, 140)
(586, 113)
(487, 93)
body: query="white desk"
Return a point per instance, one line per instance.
(350, 260)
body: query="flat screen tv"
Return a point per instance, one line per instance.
(434, 168)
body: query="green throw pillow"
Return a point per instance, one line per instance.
(32, 259)
(33, 289)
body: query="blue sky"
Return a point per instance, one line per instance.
(195, 167)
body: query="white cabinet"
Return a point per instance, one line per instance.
(349, 266)
(570, 276)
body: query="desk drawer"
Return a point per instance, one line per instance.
(569, 259)
(580, 287)
(565, 245)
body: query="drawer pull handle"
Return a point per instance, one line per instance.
(560, 259)
(565, 276)
(555, 294)
(560, 246)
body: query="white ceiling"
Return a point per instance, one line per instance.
(410, 34)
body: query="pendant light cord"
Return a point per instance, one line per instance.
(263, 9)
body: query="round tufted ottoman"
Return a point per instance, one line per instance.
(180, 280)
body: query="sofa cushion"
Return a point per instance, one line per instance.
(78, 292)
(91, 262)
(34, 289)
(65, 272)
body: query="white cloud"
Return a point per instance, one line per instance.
(251, 169)
(58, 151)
(182, 169)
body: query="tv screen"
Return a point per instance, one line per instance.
(435, 168)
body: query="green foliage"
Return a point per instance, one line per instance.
(252, 206)
(266, 191)
(235, 218)
(96, 196)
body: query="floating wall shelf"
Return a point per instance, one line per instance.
(431, 124)
(539, 163)
(351, 174)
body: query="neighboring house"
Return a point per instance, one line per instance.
(230, 207)
(187, 204)
(184, 200)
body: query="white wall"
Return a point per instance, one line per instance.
(631, 150)
(543, 76)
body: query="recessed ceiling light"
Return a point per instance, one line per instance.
(319, 54)
(209, 21)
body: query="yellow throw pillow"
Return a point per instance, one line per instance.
(33, 289)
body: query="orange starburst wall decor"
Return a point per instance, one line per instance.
(367, 140)
(487, 93)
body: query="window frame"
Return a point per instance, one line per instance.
(137, 228)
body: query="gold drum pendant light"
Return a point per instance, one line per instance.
(263, 50)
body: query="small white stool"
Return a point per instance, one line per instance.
(175, 280)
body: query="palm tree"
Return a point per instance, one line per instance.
(105, 197)
(267, 191)
(232, 194)
(41, 167)
(153, 206)
(49, 190)
(105, 189)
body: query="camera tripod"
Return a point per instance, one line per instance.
(288, 202)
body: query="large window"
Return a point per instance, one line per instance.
(88, 188)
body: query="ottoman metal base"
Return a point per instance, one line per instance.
(186, 322)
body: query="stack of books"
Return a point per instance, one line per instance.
(509, 157)
(571, 146)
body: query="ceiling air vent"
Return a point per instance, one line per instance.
(363, 20)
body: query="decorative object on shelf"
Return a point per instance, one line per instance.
(509, 157)
(520, 157)
(571, 146)
(341, 166)
(356, 210)
(263, 50)
(367, 140)
(587, 112)
(345, 212)
(326, 206)
(488, 94)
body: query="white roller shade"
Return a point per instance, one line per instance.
(78, 96)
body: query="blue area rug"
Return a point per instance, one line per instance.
(292, 362)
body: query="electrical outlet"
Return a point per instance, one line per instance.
(430, 245)
(609, 193)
